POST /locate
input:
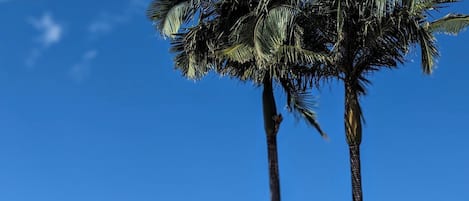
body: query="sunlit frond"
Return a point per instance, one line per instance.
(428, 5)
(169, 15)
(240, 53)
(272, 30)
(450, 24)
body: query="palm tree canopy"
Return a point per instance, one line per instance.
(238, 38)
(300, 41)
(244, 40)
(379, 33)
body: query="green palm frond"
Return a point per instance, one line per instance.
(169, 15)
(194, 57)
(428, 50)
(426, 5)
(302, 104)
(242, 35)
(183, 60)
(272, 30)
(240, 53)
(264, 33)
(450, 24)
(241, 46)
(293, 54)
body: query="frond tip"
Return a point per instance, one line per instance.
(450, 24)
(169, 15)
(302, 104)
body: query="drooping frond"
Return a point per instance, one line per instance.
(428, 50)
(185, 61)
(194, 57)
(385, 43)
(450, 24)
(169, 15)
(427, 5)
(302, 104)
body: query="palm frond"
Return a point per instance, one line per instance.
(380, 8)
(240, 47)
(240, 53)
(450, 24)
(293, 54)
(302, 104)
(428, 50)
(427, 5)
(272, 31)
(376, 8)
(169, 15)
(339, 27)
(194, 57)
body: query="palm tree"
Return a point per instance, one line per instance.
(374, 34)
(258, 41)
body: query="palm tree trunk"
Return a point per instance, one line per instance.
(353, 131)
(273, 168)
(271, 124)
(356, 172)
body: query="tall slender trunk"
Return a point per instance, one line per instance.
(356, 172)
(273, 168)
(353, 131)
(271, 124)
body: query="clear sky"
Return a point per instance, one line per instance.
(92, 109)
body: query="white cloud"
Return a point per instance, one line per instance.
(51, 31)
(106, 22)
(81, 70)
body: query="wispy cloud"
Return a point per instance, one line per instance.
(50, 33)
(106, 22)
(81, 70)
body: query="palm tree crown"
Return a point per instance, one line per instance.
(374, 34)
(260, 41)
(297, 43)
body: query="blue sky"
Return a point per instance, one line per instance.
(92, 109)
